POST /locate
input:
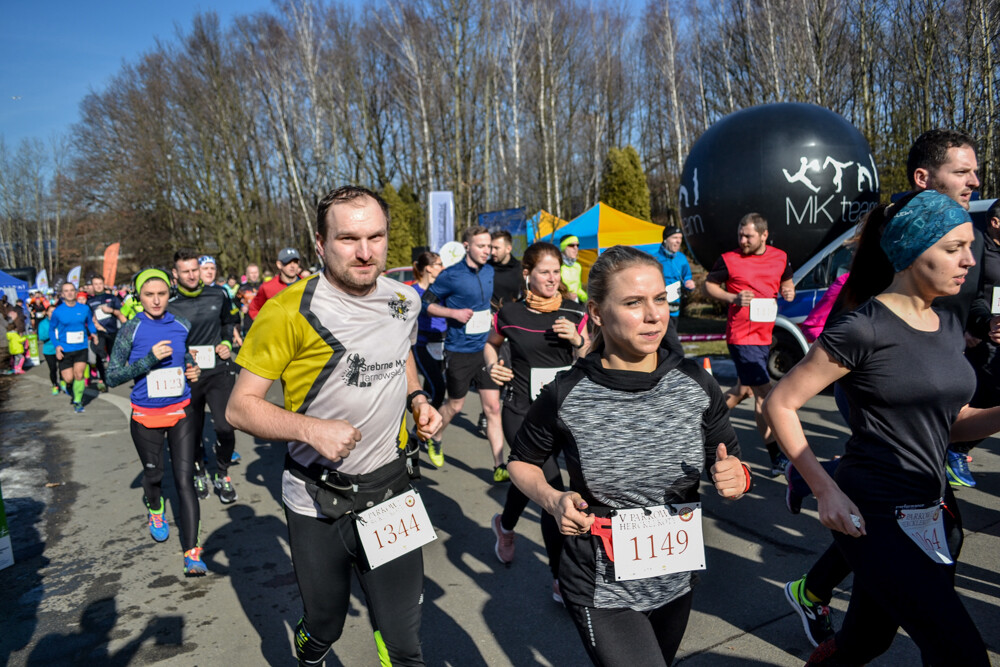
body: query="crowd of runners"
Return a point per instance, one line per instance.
(608, 427)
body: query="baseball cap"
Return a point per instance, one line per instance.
(288, 254)
(206, 259)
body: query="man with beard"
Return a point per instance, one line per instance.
(340, 342)
(749, 280)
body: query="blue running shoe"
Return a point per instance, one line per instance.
(78, 408)
(158, 526)
(235, 460)
(193, 564)
(957, 467)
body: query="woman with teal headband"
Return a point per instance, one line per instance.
(901, 363)
(152, 350)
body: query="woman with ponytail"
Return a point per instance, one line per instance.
(547, 334)
(638, 425)
(151, 350)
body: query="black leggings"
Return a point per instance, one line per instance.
(516, 501)
(149, 445)
(53, 364)
(897, 585)
(433, 371)
(214, 388)
(627, 637)
(102, 351)
(324, 552)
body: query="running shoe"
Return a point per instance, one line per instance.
(193, 564)
(235, 459)
(55, 391)
(78, 408)
(556, 593)
(815, 617)
(500, 474)
(224, 488)
(793, 500)
(504, 548)
(158, 526)
(957, 466)
(202, 484)
(435, 452)
(778, 464)
(482, 424)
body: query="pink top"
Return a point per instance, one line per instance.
(813, 325)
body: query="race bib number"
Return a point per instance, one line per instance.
(436, 350)
(667, 540)
(480, 322)
(995, 303)
(74, 337)
(165, 382)
(204, 356)
(100, 314)
(763, 310)
(395, 528)
(673, 291)
(541, 377)
(925, 526)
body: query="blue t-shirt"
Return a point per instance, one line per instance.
(429, 329)
(71, 323)
(460, 286)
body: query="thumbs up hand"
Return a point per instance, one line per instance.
(727, 474)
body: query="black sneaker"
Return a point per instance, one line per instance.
(225, 490)
(482, 424)
(778, 464)
(202, 483)
(815, 616)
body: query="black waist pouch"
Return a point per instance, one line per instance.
(338, 494)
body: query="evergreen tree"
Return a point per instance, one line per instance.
(406, 227)
(623, 183)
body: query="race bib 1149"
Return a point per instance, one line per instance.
(653, 541)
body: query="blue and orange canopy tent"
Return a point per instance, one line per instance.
(598, 229)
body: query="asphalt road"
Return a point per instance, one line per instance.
(89, 585)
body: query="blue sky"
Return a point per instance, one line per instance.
(54, 52)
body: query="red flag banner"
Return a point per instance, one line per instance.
(111, 264)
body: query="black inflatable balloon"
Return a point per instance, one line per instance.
(807, 170)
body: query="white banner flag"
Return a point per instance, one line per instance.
(42, 281)
(440, 219)
(74, 276)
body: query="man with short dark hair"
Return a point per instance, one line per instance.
(750, 279)
(72, 324)
(288, 273)
(212, 316)
(508, 281)
(461, 294)
(340, 342)
(106, 308)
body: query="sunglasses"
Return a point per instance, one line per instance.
(572, 245)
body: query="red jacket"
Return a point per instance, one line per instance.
(266, 291)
